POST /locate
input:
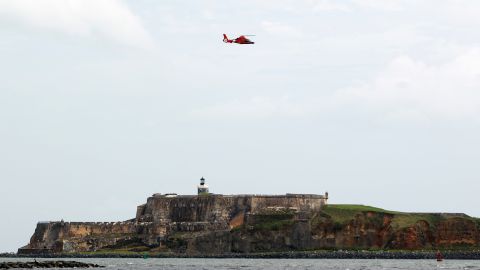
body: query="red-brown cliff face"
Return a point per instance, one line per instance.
(457, 232)
(365, 230)
(416, 236)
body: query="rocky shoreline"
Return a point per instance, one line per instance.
(47, 264)
(317, 254)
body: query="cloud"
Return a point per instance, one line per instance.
(327, 5)
(391, 5)
(256, 107)
(337, 6)
(107, 18)
(408, 88)
(280, 29)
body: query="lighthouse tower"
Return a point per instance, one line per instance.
(202, 188)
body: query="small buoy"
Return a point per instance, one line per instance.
(439, 256)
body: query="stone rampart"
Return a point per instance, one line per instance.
(54, 236)
(220, 208)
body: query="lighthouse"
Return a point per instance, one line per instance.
(202, 188)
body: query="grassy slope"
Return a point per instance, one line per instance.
(342, 213)
(273, 221)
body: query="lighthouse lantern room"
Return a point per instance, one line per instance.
(202, 188)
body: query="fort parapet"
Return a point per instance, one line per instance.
(221, 208)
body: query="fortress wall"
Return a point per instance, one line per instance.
(162, 215)
(219, 208)
(140, 211)
(214, 208)
(200, 209)
(45, 235)
(295, 202)
(82, 229)
(52, 235)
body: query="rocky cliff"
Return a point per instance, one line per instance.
(78, 236)
(216, 224)
(356, 229)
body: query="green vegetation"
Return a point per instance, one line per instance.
(238, 228)
(342, 213)
(180, 235)
(356, 207)
(404, 220)
(477, 221)
(134, 245)
(273, 221)
(179, 239)
(274, 225)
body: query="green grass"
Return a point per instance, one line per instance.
(342, 213)
(404, 220)
(355, 207)
(273, 221)
(273, 225)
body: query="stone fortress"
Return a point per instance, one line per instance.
(215, 224)
(174, 222)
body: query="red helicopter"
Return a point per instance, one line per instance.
(239, 40)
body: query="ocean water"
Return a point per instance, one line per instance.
(272, 264)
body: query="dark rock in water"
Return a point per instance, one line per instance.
(47, 264)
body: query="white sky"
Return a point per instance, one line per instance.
(103, 103)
